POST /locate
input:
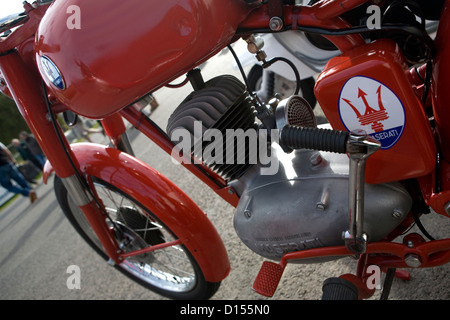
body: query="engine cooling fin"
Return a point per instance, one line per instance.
(223, 104)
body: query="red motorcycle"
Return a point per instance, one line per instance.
(325, 193)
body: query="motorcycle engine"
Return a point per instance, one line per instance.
(303, 204)
(221, 104)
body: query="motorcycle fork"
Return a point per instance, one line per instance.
(29, 94)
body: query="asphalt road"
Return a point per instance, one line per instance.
(38, 245)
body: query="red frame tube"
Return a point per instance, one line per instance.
(383, 254)
(114, 128)
(206, 175)
(330, 9)
(321, 14)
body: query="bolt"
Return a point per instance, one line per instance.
(230, 191)
(397, 214)
(413, 260)
(255, 44)
(261, 56)
(276, 24)
(247, 213)
(320, 206)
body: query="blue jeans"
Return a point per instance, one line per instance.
(40, 158)
(10, 172)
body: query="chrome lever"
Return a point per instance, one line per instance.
(359, 147)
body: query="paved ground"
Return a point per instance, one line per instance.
(37, 244)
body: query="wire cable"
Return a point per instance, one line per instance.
(292, 65)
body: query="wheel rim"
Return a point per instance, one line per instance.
(168, 269)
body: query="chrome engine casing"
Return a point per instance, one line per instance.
(304, 205)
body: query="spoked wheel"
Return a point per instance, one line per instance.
(171, 272)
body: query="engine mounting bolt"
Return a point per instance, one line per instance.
(413, 260)
(397, 214)
(275, 24)
(320, 206)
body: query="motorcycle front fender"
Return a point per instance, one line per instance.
(162, 197)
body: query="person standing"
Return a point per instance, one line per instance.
(33, 146)
(26, 153)
(9, 172)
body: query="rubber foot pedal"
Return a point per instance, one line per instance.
(339, 289)
(268, 278)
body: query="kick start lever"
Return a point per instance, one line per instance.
(359, 147)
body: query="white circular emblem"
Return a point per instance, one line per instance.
(367, 104)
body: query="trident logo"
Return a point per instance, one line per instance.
(371, 116)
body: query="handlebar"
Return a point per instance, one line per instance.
(314, 138)
(10, 22)
(27, 23)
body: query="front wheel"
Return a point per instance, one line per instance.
(171, 272)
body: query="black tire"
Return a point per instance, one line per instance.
(339, 289)
(141, 229)
(254, 78)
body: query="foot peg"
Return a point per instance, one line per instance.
(268, 278)
(339, 289)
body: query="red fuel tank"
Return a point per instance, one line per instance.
(367, 88)
(100, 56)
